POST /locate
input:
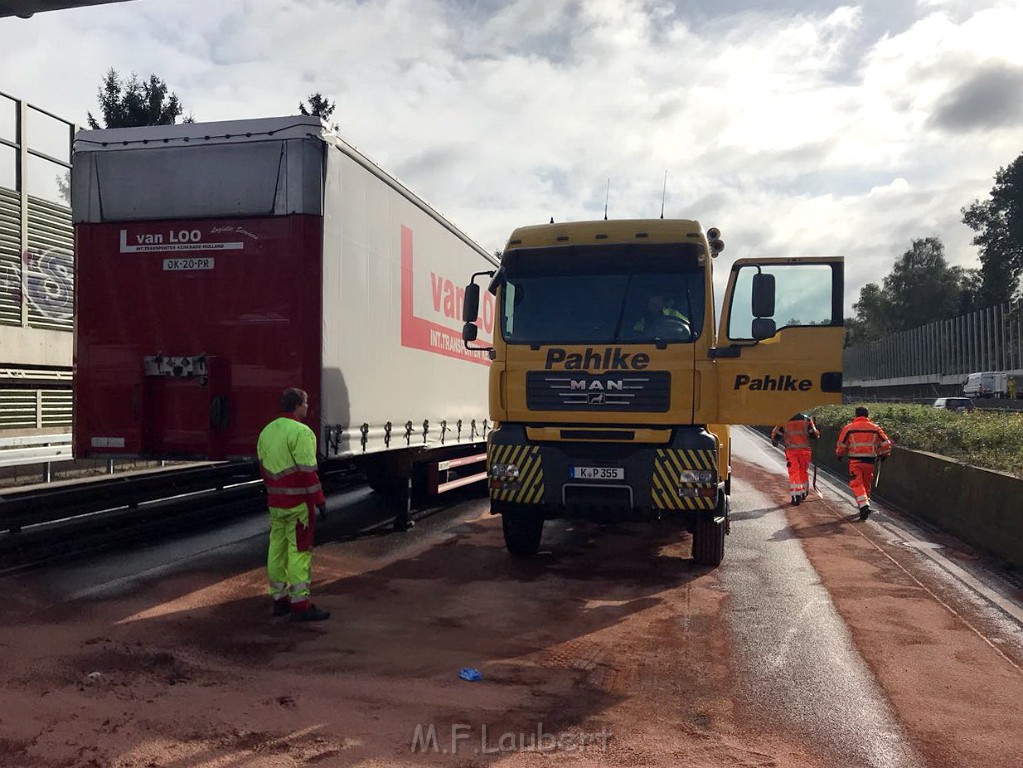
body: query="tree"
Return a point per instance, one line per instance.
(873, 316)
(971, 298)
(998, 223)
(135, 102)
(319, 106)
(920, 289)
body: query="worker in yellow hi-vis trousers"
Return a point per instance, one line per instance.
(287, 461)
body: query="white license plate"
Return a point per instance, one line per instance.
(186, 264)
(597, 473)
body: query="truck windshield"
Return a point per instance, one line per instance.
(603, 294)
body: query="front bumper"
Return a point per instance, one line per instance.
(539, 477)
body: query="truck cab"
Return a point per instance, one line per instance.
(611, 387)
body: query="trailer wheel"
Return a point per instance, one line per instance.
(522, 532)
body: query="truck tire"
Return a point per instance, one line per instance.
(522, 533)
(709, 541)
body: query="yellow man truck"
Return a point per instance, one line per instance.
(611, 391)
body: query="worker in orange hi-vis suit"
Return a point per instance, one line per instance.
(796, 434)
(864, 443)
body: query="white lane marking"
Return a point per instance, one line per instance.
(957, 573)
(941, 602)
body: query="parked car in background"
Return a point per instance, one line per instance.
(955, 404)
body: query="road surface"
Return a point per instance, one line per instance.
(820, 641)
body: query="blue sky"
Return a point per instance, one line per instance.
(798, 127)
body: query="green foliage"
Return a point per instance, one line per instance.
(920, 289)
(873, 319)
(136, 102)
(320, 106)
(972, 297)
(998, 222)
(989, 439)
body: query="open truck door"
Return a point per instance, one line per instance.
(780, 342)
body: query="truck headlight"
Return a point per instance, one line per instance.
(697, 476)
(504, 471)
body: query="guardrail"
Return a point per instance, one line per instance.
(35, 449)
(22, 508)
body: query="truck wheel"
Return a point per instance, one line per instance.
(522, 532)
(708, 542)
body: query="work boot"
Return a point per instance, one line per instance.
(864, 512)
(796, 498)
(312, 613)
(282, 607)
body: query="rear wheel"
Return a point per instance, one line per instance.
(522, 532)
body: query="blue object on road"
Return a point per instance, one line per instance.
(470, 674)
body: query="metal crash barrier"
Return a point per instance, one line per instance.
(35, 449)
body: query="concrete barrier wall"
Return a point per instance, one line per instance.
(982, 507)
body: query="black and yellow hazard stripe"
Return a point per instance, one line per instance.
(668, 462)
(529, 489)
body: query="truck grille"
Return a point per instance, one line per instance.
(598, 392)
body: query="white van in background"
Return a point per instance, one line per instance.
(986, 384)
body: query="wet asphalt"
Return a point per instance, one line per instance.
(794, 660)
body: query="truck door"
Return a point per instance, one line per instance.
(780, 342)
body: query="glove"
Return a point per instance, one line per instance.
(321, 512)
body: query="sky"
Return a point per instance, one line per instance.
(797, 127)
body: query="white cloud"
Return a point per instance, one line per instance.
(801, 131)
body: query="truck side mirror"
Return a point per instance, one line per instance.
(763, 295)
(763, 328)
(470, 306)
(469, 332)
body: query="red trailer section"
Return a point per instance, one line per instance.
(219, 264)
(185, 327)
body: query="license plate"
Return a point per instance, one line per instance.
(187, 264)
(597, 473)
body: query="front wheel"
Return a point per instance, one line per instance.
(522, 532)
(709, 542)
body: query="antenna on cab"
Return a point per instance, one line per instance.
(607, 196)
(664, 191)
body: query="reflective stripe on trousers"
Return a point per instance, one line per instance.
(278, 590)
(861, 476)
(798, 462)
